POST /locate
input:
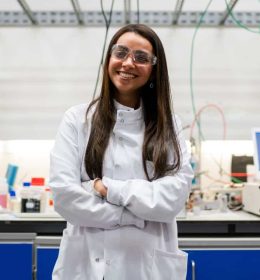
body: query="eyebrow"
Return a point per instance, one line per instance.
(139, 50)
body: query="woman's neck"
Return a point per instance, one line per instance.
(128, 101)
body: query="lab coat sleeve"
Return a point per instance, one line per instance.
(72, 199)
(159, 200)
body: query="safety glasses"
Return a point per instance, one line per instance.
(138, 56)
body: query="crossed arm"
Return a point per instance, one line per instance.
(129, 202)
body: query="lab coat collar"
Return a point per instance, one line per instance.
(126, 114)
(120, 106)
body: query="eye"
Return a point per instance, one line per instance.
(120, 53)
(141, 57)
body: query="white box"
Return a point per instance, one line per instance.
(251, 198)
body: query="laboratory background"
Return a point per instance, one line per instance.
(50, 59)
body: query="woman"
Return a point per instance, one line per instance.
(120, 171)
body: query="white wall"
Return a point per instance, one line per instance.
(32, 158)
(43, 71)
(216, 156)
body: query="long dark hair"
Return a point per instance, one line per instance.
(160, 135)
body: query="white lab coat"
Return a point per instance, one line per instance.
(132, 234)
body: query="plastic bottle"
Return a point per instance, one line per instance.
(223, 203)
(197, 203)
(30, 198)
(3, 192)
(11, 175)
(14, 202)
(49, 200)
(38, 183)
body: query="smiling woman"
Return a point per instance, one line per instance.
(120, 170)
(126, 72)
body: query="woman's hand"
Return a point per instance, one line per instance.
(100, 187)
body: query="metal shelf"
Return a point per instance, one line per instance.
(153, 18)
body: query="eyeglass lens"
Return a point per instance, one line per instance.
(139, 56)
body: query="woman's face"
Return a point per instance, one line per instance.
(126, 75)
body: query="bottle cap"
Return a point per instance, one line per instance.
(12, 193)
(37, 182)
(26, 184)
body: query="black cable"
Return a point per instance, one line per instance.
(103, 13)
(107, 22)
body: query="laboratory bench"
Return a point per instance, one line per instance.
(208, 223)
(222, 246)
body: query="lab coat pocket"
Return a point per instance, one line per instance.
(169, 266)
(68, 265)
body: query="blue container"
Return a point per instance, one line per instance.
(11, 175)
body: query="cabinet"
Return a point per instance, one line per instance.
(214, 262)
(47, 250)
(224, 264)
(23, 254)
(16, 256)
(46, 258)
(209, 258)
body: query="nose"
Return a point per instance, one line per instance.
(128, 61)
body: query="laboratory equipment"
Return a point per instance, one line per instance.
(251, 191)
(256, 142)
(251, 198)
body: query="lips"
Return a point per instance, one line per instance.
(126, 75)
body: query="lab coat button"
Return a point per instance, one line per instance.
(120, 138)
(122, 120)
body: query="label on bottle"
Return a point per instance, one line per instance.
(30, 205)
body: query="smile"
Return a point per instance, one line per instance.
(126, 76)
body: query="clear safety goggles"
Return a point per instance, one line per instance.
(138, 56)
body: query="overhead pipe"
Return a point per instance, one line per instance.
(177, 11)
(28, 11)
(229, 9)
(77, 11)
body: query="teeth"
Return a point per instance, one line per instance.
(126, 75)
